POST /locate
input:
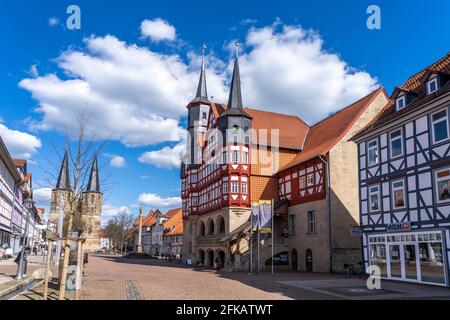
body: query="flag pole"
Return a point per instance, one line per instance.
(273, 231)
(251, 240)
(258, 239)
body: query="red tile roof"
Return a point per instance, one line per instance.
(415, 84)
(326, 133)
(175, 223)
(20, 162)
(172, 212)
(293, 130)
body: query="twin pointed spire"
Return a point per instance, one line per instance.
(63, 182)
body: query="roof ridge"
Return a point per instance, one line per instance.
(347, 107)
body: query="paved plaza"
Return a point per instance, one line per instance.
(116, 278)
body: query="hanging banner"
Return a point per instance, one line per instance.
(265, 216)
(255, 215)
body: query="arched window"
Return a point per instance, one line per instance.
(221, 225)
(210, 227)
(92, 198)
(201, 229)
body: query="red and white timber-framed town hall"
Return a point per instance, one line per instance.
(237, 155)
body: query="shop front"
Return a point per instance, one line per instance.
(415, 256)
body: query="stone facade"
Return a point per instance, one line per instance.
(344, 201)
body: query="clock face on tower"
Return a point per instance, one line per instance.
(235, 128)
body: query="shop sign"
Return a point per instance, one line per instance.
(398, 226)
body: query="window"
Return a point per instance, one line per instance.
(400, 103)
(310, 181)
(439, 122)
(396, 143)
(302, 182)
(235, 157)
(244, 187)
(372, 150)
(291, 224)
(398, 194)
(374, 198)
(311, 222)
(234, 187)
(432, 85)
(205, 115)
(245, 158)
(224, 157)
(442, 183)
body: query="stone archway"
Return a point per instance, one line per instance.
(210, 260)
(201, 257)
(220, 225)
(210, 227)
(220, 259)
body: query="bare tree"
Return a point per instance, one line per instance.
(82, 150)
(119, 228)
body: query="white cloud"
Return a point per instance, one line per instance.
(34, 71)
(20, 144)
(53, 21)
(136, 96)
(109, 210)
(42, 196)
(166, 157)
(116, 161)
(157, 202)
(248, 21)
(158, 30)
(132, 94)
(287, 70)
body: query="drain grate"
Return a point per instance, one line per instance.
(132, 290)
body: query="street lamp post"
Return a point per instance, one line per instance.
(28, 206)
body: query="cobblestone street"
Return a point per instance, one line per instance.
(117, 278)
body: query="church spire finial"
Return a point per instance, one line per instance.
(202, 92)
(237, 49)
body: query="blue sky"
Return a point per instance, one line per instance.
(288, 48)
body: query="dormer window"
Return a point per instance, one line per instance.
(400, 103)
(204, 115)
(432, 85)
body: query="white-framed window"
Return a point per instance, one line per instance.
(311, 222)
(225, 187)
(439, 123)
(245, 157)
(374, 198)
(204, 115)
(244, 187)
(396, 141)
(224, 158)
(442, 182)
(291, 224)
(310, 179)
(302, 182)
(398, 194)
(432, 85)
(372, 152)
(235, 157)
(400, 103)
(234, 187)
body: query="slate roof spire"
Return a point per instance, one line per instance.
(63, 182)
(94, 182)
(202, 92)
(235, 105)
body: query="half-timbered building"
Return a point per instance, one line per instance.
(404, 177)
(232, 156)
(320, 189)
